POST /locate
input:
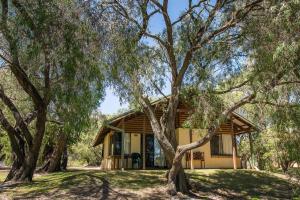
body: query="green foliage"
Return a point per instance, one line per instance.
(271, 149)
(276, 57)
(5, 150)
(23, 103)
(83, 153)
(208, 107)
(56, 33)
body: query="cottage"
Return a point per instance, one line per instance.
(129, 143)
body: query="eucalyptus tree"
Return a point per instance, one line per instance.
(276, 48)
(202, 54)
(50, 50)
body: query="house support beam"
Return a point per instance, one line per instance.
(144, 143)
(234, 152)
(144, 151)
(251, 150)
(122, 152)
(122, 146)
(191, 152)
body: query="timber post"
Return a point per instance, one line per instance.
(234, 151)
(122, 146)
(191, 152)
(144, 143)
(233, 144)
(251, 149)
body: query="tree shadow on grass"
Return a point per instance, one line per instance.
(78, 186)
(148, 184)
(87, 185)
(242, 184)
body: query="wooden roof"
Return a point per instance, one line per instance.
(137, 122)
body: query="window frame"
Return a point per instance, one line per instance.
(113, 141)
(220, 147)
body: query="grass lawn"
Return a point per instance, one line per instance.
(147, 184)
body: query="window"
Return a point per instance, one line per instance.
(127, 143)
(215, 145)
(159, 157)
(116, 144)
(227, 144)
(221, 145)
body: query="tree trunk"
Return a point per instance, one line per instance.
(179, 182)
(18, 154)
(284, 165)
(22, 170)
(47, 153)
(16, 166)
(164, 131)
(53, 155)
(2, 155)
(24, 173)
(64, 159)
(55, 160)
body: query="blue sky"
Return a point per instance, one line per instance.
(111, 103)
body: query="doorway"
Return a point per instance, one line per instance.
(154, 154)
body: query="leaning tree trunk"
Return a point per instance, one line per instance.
(177, 179)
(284, 165)
(55, 160)
(2, 155)
(25, 172)
(18, 159)
(47, 153)
(53, 156)
(164, 131)
(64, 159)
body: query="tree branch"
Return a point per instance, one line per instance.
(148, 108)
(288, 82)
(213, 128)
(236, 17)
(55, 122)
(159, 90)
(170, 41)
(189, 11)
(20, 123)
(189, 55)
(30, 117)
(11, 132)
(15, 66)
(276, 104)
(24, 13)
(5, 59)
(232, 88)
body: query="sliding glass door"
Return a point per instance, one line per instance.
(159, 157)
(154, 154)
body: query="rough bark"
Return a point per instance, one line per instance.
(64, 159)
(164, 131)
(53, 160)
(18, 161)
(251, 151)
(2, 155)
(164, 128)
(177, 181)
(34, 141)
(285, 165)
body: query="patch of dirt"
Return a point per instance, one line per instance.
(147, 193)
(287, 177)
